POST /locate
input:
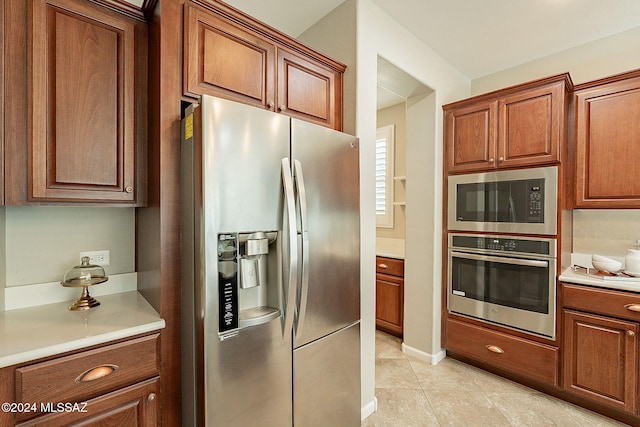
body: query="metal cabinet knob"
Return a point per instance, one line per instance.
(633, 307)
(494, 349)
(631, 333)
(501, 159)
(491, 160)
(151, 397)
(128, 189)
(270, 105)
(383, 266)
(282, 108)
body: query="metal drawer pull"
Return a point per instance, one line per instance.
(383, 266)
(633, 307)
(494, 349)
(96, 373)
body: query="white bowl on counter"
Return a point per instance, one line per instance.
(603, 263)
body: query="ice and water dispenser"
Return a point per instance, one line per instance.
(248, 280)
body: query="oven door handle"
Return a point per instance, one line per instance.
(502, 260)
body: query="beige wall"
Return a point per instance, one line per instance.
(396, 115)
(587, 62)
(42, 243)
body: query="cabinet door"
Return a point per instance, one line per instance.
(82, 115)
(309, 91)
(600, 359)
(608, 146)
(225, 60)
(470, 137)
(389, 304)
(132, 406)
(530, 127)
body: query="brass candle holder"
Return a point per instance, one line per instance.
(83, 276)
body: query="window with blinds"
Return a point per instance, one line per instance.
(384, 176)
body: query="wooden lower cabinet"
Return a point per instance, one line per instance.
(390, 295)
(131, 406)
(600, 361)
(116, 384)
(509, 353)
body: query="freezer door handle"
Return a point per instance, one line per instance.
(304, 234)
(291, 264)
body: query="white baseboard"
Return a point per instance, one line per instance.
(433, 359)
(369, 408)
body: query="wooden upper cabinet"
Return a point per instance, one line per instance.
(231, 55)
(470, 137)
(82, 112)
(309, 91)
(523, 125)
(608, 143)
(530, 126)
(225, 60)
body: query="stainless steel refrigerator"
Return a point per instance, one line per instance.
(271, 270)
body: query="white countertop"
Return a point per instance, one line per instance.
(46, 330)
(581, 278)
(390, 248)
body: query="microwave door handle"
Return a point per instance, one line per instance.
(289, 282)
(502, 260)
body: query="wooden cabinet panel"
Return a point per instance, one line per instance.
(88, 374)
(233, 56)
(608, 302)
(523, 125)
(82, 123)
(530, 127)
(608, 144)
(309, 91)
(518, 355)
(390, 295)
(390, 304)
(390, 266)
(223, 59)
(131, 406)
(600, 360)
(470, 137)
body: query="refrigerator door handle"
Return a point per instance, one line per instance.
(304, 232)
(289, 282)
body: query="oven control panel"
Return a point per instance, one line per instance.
(503, 244)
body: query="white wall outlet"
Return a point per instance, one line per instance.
(97, 257)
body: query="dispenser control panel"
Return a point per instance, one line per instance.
(227, 282)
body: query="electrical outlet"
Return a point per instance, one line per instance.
(97, 257)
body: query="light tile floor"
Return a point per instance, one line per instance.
(414, 393)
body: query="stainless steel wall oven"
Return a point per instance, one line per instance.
(506, 280)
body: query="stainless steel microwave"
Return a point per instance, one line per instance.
(512, 201)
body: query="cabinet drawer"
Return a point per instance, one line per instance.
(391, 266)
(512, 354)
(90, 373)
(623, 305)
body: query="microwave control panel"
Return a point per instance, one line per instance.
(535, 190)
